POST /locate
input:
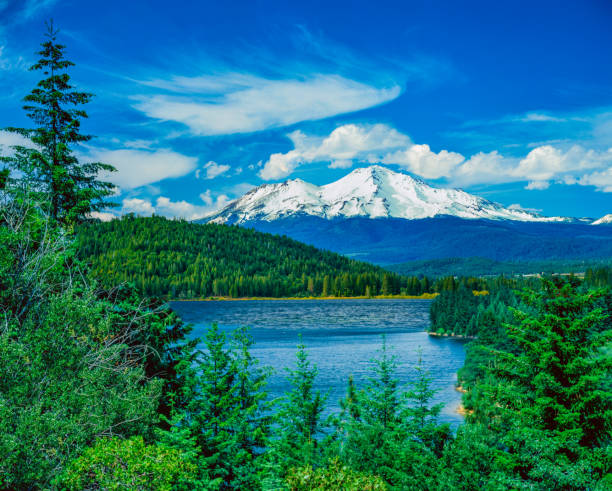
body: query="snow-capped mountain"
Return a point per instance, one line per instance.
(370, 192)
(604, 220)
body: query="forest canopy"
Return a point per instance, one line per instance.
(180, 259)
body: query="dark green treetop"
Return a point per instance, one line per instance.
(49, 164)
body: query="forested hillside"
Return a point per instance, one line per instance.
(181, 259)
(482, 266)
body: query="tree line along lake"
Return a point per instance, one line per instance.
(342, 337)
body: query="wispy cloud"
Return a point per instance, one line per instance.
(16, 11)
(30, 8)
(139, 167)
(165, 206)
(540, 117)
(8, 140)
(243, 103)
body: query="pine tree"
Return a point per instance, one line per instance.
(421, 415)
(386, 285)
(376, 433)
(298, 424)
(253, 423)
(551, 397)
(382, 393)
(49, 165)
(326, 287)
(222, 415)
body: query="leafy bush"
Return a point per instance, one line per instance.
(113, 464)
(334, 476)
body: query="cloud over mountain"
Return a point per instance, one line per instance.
(352, 143)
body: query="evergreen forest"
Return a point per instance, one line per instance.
(180, 259)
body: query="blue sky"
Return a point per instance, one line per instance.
(197, 102)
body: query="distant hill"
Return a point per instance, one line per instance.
(479, 266)
(180, 259)
(387, 241)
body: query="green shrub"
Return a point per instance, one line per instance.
(113, 463)
(333, 477)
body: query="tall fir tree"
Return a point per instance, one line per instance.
(549, 400)
(221, 415)
(70, 188)
(298, 423)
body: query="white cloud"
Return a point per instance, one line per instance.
(380, 143)
(341, 164)
(137, 206)
(280, 165)
(371, 143)
(102, 215)
(207, 197)
(213, 170)
(540, 117)
(139, 167)
(547, 162)
(600, 179)
(480, 168)
(234, 103)
(539, 185)
(420, 160)
(539, 167)
(8, 140)
(164, 206)
(342, 146)
(540, 164)
(181, 209)
(351, 140)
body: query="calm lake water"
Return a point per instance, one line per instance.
(341, 336)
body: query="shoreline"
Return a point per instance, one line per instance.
(425, 296)
(451, 336)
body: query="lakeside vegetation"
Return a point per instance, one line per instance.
(481, 266)
(424, 296)
(101, 388)
(535, 381)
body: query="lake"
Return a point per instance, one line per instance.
(341, 336)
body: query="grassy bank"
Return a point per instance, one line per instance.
(424, 296)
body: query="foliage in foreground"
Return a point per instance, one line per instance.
(333, 477)
(538, 391)
(92, 375)
(115, 464)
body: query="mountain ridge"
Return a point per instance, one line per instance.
(370, 192)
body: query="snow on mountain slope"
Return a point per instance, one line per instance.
(604, 220)
(374, 192)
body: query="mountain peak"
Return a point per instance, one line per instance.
(604, 220)
(370, 192)
(377, 170)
